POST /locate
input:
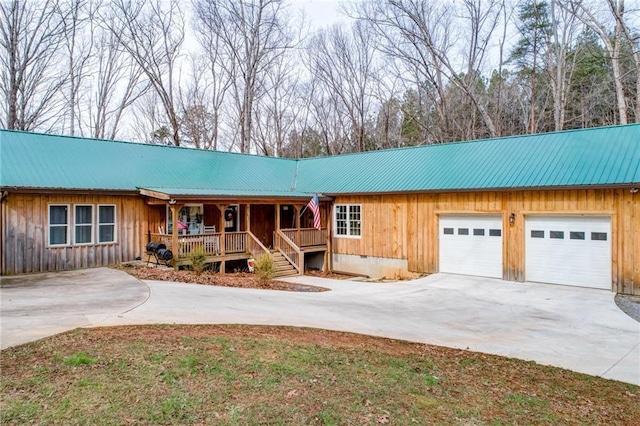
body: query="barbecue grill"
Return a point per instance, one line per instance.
(159, 252)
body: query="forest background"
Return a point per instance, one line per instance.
(254, 76)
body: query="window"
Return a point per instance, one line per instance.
(495, 232)
(348, 220)
(478, 231)
(537, 234)
(558, 235)
(191, 216)
(106, 224)
(58, 225)
(84, 226)
(83, 222)
(447, 231)
(599, 236)
(463, 231)
(576, 235)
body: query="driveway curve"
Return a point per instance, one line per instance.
(34, 306)
(576, 328)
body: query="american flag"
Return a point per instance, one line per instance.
(314, 206)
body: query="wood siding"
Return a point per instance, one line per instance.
(24, 237)
(406, 226)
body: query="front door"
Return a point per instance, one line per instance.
(263, 218)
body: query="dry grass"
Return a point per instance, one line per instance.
(246, 375)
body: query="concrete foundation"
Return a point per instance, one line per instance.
(373, 267)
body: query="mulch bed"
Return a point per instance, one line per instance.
(236, 279)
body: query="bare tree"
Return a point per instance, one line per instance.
(276, 112)
(632, 39)
(78, 27)
(421, 35)
(343, 63)
(563, 31)
(216, 84)
(31, 33)
(152, 32)
(199, 109)
(609, 23)
(251, 36)
(117, 82)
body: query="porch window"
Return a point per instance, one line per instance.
(58, 225)
(190, 216)
(348, 220)
(83, 220)
(106, 224)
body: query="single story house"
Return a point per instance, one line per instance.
(558, 207)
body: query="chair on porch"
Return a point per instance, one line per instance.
(211, 242)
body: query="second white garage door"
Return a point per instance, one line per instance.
(471, 245)
(571, 250)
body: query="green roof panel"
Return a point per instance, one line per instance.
(46, 161)
(596, 157)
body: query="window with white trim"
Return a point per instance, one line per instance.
(83, 224)
(348, 220)
(58, 224)
(106, 223)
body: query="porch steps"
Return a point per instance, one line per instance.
(282, 266)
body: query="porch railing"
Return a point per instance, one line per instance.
(308, 236)
(234, 242)
(255, 247)
(288, 249)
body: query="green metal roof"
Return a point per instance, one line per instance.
(605, 156)
(588, 157)
(47, 161)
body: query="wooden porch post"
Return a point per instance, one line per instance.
(175, 209)
(328, 259)
(222, 208)
(296, 208)
(247, 217)
(277, 217)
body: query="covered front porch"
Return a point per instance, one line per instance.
(231, 230)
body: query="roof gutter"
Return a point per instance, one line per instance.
(86, 191)
(631, 186)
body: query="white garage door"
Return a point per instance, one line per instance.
(471, 245)
(569, 250)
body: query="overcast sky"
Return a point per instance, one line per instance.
(320, 13)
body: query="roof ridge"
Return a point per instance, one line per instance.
(142, 144)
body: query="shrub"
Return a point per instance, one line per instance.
(264, 267)
(198, 260)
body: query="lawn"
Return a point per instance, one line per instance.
(247, 375)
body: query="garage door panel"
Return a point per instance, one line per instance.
(579, 255)
(471, 245)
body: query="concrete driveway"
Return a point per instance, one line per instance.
(34, 306)
(576, 328)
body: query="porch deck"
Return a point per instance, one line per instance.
(293, 243)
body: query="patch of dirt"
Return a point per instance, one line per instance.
(237, 279)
